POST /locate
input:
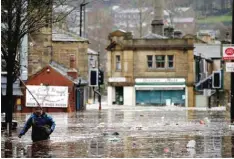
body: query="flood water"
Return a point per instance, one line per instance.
(138, 132)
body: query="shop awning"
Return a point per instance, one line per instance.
(159, 87)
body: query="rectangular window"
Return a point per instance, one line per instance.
(118, 62)
(150, 61)
(160, 61)
(170, 61)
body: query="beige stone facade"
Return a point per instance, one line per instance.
(40, 47)
(43, 48)
(133, 54)
(63, 50)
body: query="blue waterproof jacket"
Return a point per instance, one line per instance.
(42, 126)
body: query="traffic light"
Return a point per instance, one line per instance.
(101, 77)
(93, 77)
(216, 79)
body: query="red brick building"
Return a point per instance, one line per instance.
(55, 75)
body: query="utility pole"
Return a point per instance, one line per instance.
(81, 6)
(84, 23)
(232, 73)
(99, 88)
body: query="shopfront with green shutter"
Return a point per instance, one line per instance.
(160, 91)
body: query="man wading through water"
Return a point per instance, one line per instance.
(42, 125)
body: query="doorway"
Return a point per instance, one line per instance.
(119, 98)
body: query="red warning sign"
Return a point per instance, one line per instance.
(228, 53)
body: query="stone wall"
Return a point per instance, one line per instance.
(63, 50)
(40, 48)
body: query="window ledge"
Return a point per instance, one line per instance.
(161, 70)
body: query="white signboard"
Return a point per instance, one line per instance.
(47, 96)
(117, 79)
(228, 52)
(230, 67)
(159, 80)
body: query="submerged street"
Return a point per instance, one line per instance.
(119, 131)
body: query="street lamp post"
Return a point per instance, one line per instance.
(82, 5)
(99, 88)
(232, 73)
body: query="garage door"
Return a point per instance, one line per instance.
(160, 97)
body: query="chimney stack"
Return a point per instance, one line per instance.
(72, 72)
(157, 23)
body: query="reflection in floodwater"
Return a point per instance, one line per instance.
(232, 147)
(139, 132)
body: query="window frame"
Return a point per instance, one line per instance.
(118, 63)
(161, 61)
(173, 62)
(152, 61)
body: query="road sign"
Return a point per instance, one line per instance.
(229, 66)
(207, 92)
(228, 53)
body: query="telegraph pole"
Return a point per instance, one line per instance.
(81, 6)
(232, 73)
(99, 88)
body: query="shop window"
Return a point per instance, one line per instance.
(150, 61)
(118, 62)
(160, 61)
(170, 61)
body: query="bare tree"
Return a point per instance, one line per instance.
(19, 18)
(137, 14)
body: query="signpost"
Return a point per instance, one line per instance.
(229, 66)
(228, 53)
(228, 56)
(47, 96)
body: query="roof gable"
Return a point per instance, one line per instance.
(197, 40)
(118, 33)
(43, 71)
(59, 35)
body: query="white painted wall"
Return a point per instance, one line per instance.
(109, 95)
(201, 101)
(134, 96)
(128, 96)
(113, 94)
(186, 97)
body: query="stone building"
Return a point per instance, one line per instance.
(57, 45)
(150, 71)
(153, 70)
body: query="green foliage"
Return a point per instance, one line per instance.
(216, 19)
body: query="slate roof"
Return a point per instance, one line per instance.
(63, 71)
(61, 35)
(154, 36)
(90, 51)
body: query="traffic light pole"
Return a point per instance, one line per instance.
(99, 89)
(232, 73)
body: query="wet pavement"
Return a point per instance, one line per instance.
(128, 132)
